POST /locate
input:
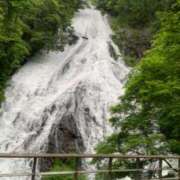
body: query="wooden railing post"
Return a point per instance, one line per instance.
(77, 164)
(110, 168)
(34, 168)
(160, 169)
(179, 168)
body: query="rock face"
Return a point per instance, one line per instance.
(59, 101)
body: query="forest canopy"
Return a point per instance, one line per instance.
(147, 117)
(134, 23)
(26, 26)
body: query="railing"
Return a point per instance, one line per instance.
(79, 157)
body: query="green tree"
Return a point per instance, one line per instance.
(26, 26)
(147, 118)
(134, 23)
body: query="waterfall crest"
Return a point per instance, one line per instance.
(59, 101)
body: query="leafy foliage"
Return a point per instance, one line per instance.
(134, 23)
(26, 26)
(135, 13)
(147, 118)
(63, 165)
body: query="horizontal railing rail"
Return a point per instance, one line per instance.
(29, 155)
(78, 157)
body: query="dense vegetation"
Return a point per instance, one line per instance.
(63, 165)
(147, 118)
(134, 23)
(26, 26)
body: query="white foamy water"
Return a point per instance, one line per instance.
(59, 101)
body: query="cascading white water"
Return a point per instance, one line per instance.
(59, 101)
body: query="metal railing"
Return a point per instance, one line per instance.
(78, 157)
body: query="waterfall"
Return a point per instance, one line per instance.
(59, 101)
